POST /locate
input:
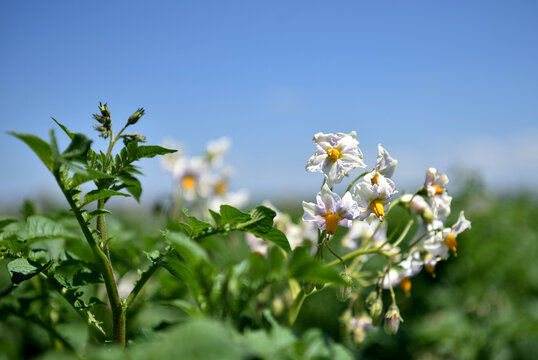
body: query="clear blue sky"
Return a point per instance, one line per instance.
(438, 83)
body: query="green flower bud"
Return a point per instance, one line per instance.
(344, 292)
(370, 299)
(376, 311)
(308, 287)
(136, 116)
(392, 320)
(104, 110)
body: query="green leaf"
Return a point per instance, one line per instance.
(23, 269)
(90, 175)
(189, 250)
(233, 216)
(197, 227)
(95, 213)
(69, 133)
(39, 146)
(78, 147)
(100, 194)
(132, 185)
(302, 266)
(5, 222)
(86, 277)
(275, 236)
(39, 227)
(149, 151)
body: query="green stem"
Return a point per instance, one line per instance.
(296, 307)
(85, 314)
(118, 313)
(357, 179)
(404, 233)
(143, 279)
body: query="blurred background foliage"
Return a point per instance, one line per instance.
(482, 303)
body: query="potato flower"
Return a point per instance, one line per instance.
(374, 199)
(435, 187)
(439, 243)
(335, 156)
(384, 168)
(330, 210)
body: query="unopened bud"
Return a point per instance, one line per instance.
(376, 311)
(136, 116)
(308, 287)
(344, 292)
(104, 110)
(392, 320)
(358, 334)
(370, 299)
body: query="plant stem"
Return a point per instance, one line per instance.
(143, 279)
(118, 313)
(296, 307)
(357, 179)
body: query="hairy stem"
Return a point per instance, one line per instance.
(118, 313)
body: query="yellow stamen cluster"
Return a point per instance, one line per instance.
(451, 242)
(221, 187)
(430, 268)
(405, 284)
(438, 189)
(377, 208)
(188, 182)
(333, 154)
(375, 178)
(331, 222)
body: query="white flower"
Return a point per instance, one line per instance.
(331, 210)
(193, 176)
(257, 245)
(440, 242)
(216, 149)
(435, 187)
(335, 156)
(373, 199)
(362, 230)
(407, 268)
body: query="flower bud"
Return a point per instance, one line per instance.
(136, 116)
(392, 320)
(358, 334)
(371, 298)
(308, 287)
(104, 110)
(344, 292)
(376, 311)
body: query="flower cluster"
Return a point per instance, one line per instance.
(363, 208)
(201, 182)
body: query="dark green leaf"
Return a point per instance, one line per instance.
(24, 269)
(302, 266)
(132, 185)
(233, 216)
(39, 146)
(78, 147)
(5, 222)
(197, 226)
(275, 236)
(149, 151)
(188, 249)
(100, 194)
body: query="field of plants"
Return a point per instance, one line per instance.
(367, 273)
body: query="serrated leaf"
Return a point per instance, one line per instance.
(95, 195)
(39, 146)
(86, 277)
(24, 269)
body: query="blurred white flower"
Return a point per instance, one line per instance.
(335, 156)
(435, 187)
(362, 230)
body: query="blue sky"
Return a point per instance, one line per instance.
(441, 84)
